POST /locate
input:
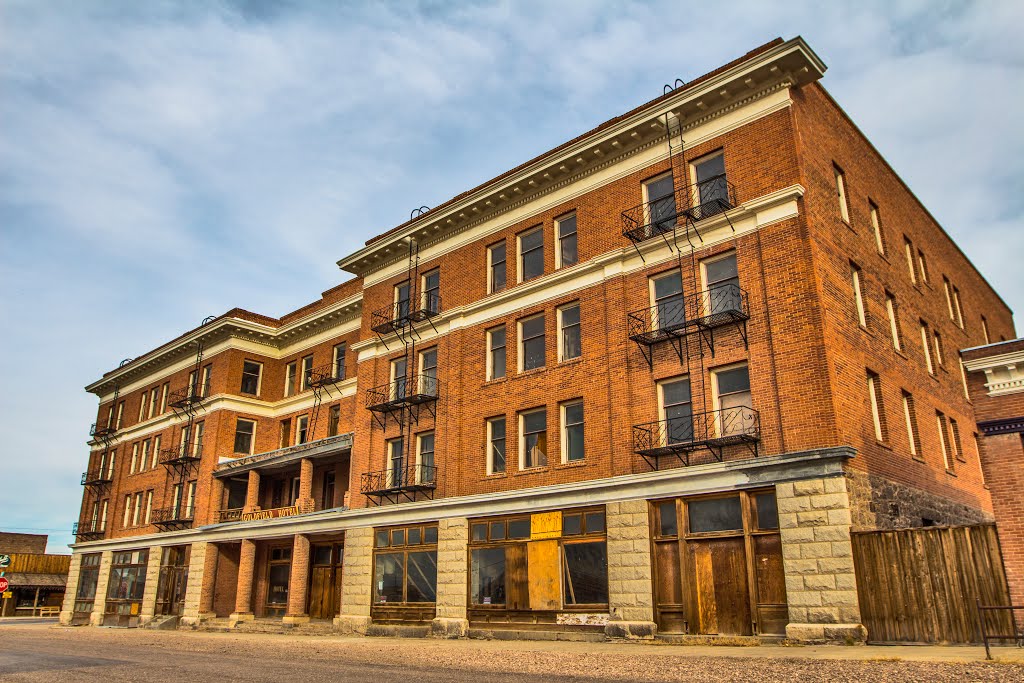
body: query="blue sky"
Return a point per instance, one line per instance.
(161, 162)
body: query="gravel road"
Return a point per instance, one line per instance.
(46, 653)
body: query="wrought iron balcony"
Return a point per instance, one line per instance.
(401, 314)
(86, 531)
(101, 431)
(397, 483)
(172, 518)
(97, 477)
(692, 203)
(182, 454)
(404, 391)
(720, 305)
(712, 430)
(188, 395)
(325, 375)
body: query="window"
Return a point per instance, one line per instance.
(156, 452)
(661, 204)
(926, 345)
(957, 446)
(533, 426)
(565, 232)
(844, 209)
(142, 406)
(958, 307)
(908, 248)
(333, 420)
(137, 510)
(204, 387)
(154, 396)
(677, 411)
(88, 578)
(431, 284)
(496, 271)
(399, 378)
(722, 283)
(245, 431)
(496, 445)
(732, 387)
(572, 431)
(569, 332)
(712, 191)
(149, 507)
(428, 372)
(911, 419)
(922, 264)
(877, 407)
(290, 371)
(940, 422)
(133, 465)
(110, 465)
(938, 348)
(668, 308)
(894, 321)
(127, 582)
(127, 511)
(405, 565)
(496, 352)
(302, 429)
(339, 361)
(396, 462)
(144, 455)
(307, 372)
(120, 415)
(876, 226)
(531, 254)
(285, 434)
(858, 297)
(948, 289)
(163, 397)
(425, 457)
(984, 330)
(251, 372)
(532, 343)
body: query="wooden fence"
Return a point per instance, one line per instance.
(921, 585)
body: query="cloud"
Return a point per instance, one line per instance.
(161, 162)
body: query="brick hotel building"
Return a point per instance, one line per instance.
(648, 381)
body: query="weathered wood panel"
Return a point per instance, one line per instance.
(920, 585)
(39, 564)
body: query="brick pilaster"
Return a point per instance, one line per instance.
(100, 603)
(252, 493)
(298, 580)
(208, 589)
(246, 567)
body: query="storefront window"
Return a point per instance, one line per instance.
(127, 583)
(405, 565)
(88, 577)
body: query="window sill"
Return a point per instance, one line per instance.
(496, 380)
(532, 470)
(571, 464)
(531, 371)
(883, 444)
(900, 353)
(951, 473)
(570, 361)
(883, 256)
(918, 458)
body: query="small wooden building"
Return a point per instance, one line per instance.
(37, 580)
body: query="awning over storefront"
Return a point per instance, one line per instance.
(32, 580)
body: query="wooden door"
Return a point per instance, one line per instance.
(719, 597)
(770, 585)
(325, 582)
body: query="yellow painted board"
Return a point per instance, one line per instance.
(542, 558)
(545, 525)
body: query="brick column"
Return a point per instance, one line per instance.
(67, 611)
(305, 500)
(198, 581)
(340, 484)
(252, 493)
(246, 567)
(208, 590)
(1001, 457)
(630, 583)
(148, 610)
(356, 582)
(100, 603)
(298, 579)
(821, 586)
(452, 591)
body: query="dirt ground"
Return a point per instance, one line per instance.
(43, 652)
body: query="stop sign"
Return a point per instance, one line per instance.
(4, 584)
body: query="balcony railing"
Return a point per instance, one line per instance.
(270, 513)
(170, 518)
(405, 480)
(86, 531)
(97, 477)
(182, 454)
(188, 395)
(694, 203)
(404, 391)
(712, 430)
(720, 305)
(101, 431)
(403, 313)
(229, 515)
(325, 374)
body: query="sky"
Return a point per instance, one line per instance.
(161, 162)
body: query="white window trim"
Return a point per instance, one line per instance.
(134, 464)
(521, 355)
(142, 406)
(127, 511)
(154, 396)
(890, 309)
(522, 439)
(304, 373)
(558, 323)
(908, 247)
(390, 460)
(149, 506)
(714, 259)
(958, 306)
(876, 416)
(490, 265)
(420, 367)
(490, 440)
(650, 181)
(946, 287)
(419, 452)
(660, 276)
(942, 440)
(558, 238)
(937, 340)
(103, 515)
(519, 252)
(858, 296)
(156, 452)
(715, 404)
(252, 441)
(490, 352)
(334, 357)
(163, 397)
(298, 422)
(290, 371)
(984, 330)
(910, 423)
(844, 206)
(926, 343)
(563, 433)
(423, 286)
(876, 225)
(692, 165)
(259, 377)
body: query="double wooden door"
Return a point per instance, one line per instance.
(170, 593)
(325, 581)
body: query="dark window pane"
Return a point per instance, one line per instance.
(572, 525)
(422, 580)
(532, 240)
(387, 577)
(674, 393)
(277, 591)
(716, 514)
(398, 537)
(382, 539)
(479, 532)
(767, 512)
(519, 528)
(730, 381)
(667, 519)
(720, 269)
(322, 555)
(497, 531)
(535, 422)
(414, 536)
(487, 576)
(533, 354)
(595, 522)
(586, 573)
(534, 327)
(430, 534)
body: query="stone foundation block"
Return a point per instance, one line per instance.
(449, 628)
(852, 634)
(348, 625)
(236, 617)
(66, 617)
(96, 619)
(631, 630)
(296, 619)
